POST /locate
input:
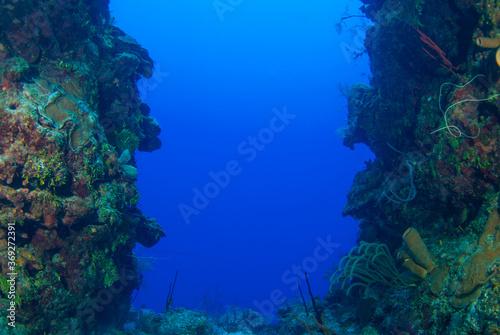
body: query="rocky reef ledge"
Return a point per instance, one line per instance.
(429, 234)
(71, 121)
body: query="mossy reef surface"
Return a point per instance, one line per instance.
(70, 123)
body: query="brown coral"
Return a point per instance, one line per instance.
(478, 268)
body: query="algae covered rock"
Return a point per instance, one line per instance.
(177, 321)
(66, 198)
(14, 69)
(430, 115)
(184, 321)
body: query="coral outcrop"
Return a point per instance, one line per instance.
(69, 108)
(431, 116)
(478, 265)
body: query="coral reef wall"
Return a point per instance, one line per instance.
(70, 123)
(431, 115)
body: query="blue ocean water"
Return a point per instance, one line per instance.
(252, 177)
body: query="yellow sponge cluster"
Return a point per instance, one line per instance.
(420, 261)
(490, 43)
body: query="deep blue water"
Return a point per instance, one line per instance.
(252, 176)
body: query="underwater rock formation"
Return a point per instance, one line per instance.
(235, 321)
(69, 108)
(431, 116)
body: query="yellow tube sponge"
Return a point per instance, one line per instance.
(420, 254)
(488, 42)
(409, 264)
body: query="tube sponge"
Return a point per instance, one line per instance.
(420, 254)
(488, 42)
(409, 264)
